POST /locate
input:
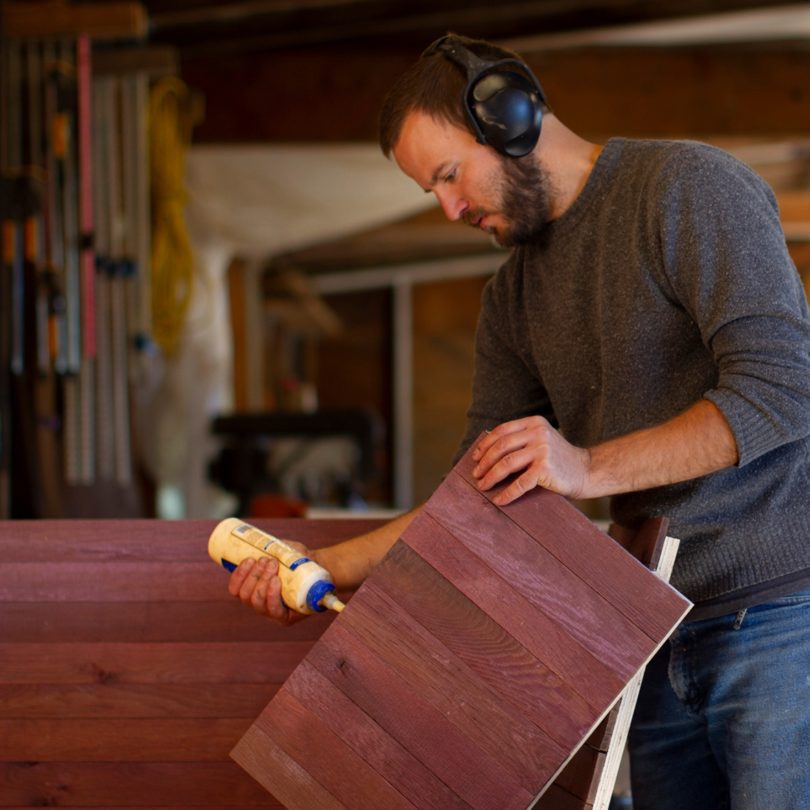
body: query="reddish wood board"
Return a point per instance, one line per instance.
(127, 672)
(469, 667)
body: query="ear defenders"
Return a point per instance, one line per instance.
(503, 99)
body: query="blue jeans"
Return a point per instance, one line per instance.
(723, 718)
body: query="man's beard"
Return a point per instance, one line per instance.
(524, 194)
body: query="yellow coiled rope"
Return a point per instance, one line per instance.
(172, 117)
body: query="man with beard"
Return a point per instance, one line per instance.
(647, 339)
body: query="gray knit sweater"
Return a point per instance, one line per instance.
(667, 281)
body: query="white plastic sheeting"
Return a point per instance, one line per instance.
(253, 201)
(262, 200)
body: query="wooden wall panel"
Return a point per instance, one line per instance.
(478, 656)
(127, 673)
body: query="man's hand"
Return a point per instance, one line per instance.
(535, 451)
(696, 442)
(256, 584)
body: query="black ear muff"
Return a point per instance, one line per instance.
(508, 111)
(502, 98)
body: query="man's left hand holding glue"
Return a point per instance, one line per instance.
(257, 585)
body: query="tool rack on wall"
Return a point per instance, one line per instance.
(76, 231)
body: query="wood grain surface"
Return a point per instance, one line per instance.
(471, 665)
(127, 672)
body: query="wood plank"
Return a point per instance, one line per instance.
(270, 765)
(580, 604)
(111, 582)
(79, 739)
(452, 675)
(148, 784)
(104, 663)
(597, 559)
(306, 738)
(63, 583)
(364, 736)
(536, 630)
(116, 700)
(470, 648)
(50, 622)
(662, 562)
(175, 541)
(404, 714)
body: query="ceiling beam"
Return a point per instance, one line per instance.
(261, 25)
(755, 90)
(116, 20)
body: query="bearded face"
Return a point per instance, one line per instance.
(522, 188)
(525, 203)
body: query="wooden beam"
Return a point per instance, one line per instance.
(268, 25)
(29, 20)
(702, 92)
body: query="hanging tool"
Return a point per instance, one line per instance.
(87, 411)
(103, 111)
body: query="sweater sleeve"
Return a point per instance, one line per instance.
(727, 263)
(505, 383)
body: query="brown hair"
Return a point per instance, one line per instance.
(434, 85)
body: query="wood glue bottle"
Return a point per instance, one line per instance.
(305, 585)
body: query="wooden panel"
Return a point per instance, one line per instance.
(600, 565)
(403, 770)
(169, 662)
(125, 784)
(132, 740)
(482, 651)
(127, 700)
(169, 541)
(127, 672)
(148, 621)
(386, 695)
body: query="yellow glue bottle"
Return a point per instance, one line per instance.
(305, 586)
